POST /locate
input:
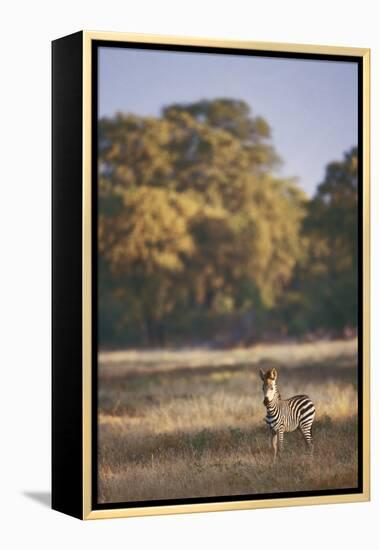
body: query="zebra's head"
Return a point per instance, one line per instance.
(269, 384)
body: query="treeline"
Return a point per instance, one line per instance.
(200, 242)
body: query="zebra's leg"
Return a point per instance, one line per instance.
(306, 430)
(274, 443)
(280, 441)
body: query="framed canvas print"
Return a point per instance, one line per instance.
(210, 275)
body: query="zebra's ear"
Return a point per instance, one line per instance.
(262, 374)
(273, 374)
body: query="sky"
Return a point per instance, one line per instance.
(311, 105)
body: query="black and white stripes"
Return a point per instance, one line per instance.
(286, 415)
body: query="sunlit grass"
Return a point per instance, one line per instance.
(118, 362)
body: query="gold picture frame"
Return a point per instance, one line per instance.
(78, 49)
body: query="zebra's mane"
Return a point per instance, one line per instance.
(277, 392)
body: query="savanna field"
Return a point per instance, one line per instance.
(190, 423)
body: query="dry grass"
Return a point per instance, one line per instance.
(190, 424)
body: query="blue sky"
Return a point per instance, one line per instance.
(311, 106)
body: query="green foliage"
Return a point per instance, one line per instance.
(332, 227)
(193, 225)
(323, 295)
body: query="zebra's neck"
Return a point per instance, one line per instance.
(273, 405)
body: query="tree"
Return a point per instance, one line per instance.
(191, 217)
(234, 117)
(325, 285)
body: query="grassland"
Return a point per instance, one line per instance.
(181, 424)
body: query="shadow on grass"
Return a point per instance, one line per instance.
(340, 369)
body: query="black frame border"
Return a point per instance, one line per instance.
(67, 258)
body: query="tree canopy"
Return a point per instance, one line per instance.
(193, 225)
(332, 229)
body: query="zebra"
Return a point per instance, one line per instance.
(286, 415)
